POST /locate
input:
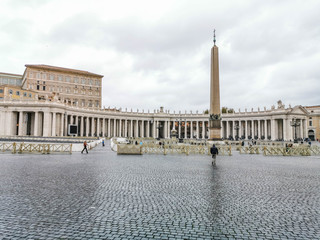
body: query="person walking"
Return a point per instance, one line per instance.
(102, 142)
(214, 151)
(85, 147)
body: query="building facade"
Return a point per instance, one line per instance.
(61, 97)
(71, 86)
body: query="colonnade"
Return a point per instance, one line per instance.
(55, 123)
(266, 128)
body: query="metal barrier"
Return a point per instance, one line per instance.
(292, 151)
(151, 147)
(21, 147)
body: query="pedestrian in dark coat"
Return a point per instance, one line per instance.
(214, 151)
(84, 147)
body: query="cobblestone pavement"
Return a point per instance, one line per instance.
(105, 196)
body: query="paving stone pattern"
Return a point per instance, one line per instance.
(105, 196)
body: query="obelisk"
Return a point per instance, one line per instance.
(215, 117)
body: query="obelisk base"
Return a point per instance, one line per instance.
(215, 134)
(215, 129)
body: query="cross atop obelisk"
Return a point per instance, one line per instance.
(215, 117)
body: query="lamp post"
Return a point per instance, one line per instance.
(295, 124)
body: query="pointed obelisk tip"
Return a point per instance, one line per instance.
(214, 37)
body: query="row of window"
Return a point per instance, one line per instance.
(67, 79)
(67, 90)
(25, 94)
(10, 81)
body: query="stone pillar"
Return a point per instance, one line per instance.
(46, 124)
(185, 129)
(103, 127)
(36, 124)
(131, 128)
(246, 130)
(203, 130)
(179, 129)
(191, 129)
(114, 127)
(87, 126)
(109, 127)
(61, 124)
(285, 134)
(154, 129)
(305, 128)
(137, 126)
(197, 129)
(92, 127)
(228, 129)
(98, 127)
(148, 129)
(301, 129)
(20, 128)
(125, 128)
(120, 127)
(66, 124)
(53, 133)
(259, 130)
(273, 130)
(265, 129)
(142, 128)
(81, 125)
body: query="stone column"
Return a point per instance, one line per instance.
(273, 130)
(137, 127)
(185, 129)
(131, 128)
(53, 133)
(125, 128)
(265, 129)
(81, 125)
(66, 124)
(285, 137)
(203, 130)
(87, 126)
(114, 127)
(179, 129)
(191, 129)
(259, 130)
(103, 127)
(148, 129)
(305, 128)
(197, 129)
(46, 124)
(142, 128)
(120, 127)
(98, 127)
(109, 127)
(301, 129)
(36, 124)
(93, 126)
(61, 124)
(228, 129)
(246, 130)
(20, 128)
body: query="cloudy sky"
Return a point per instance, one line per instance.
(157, 53)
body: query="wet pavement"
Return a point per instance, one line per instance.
(105, 196)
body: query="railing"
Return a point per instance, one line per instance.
(292, 151)
(302, 150)
(21, 147)
(182, 149)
